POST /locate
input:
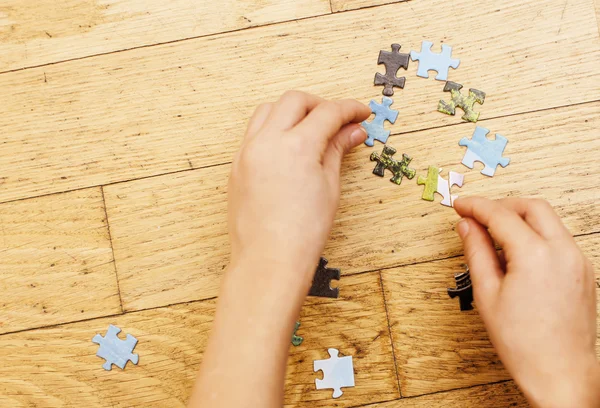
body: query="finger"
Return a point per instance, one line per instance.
(346, 139)
(504, 224)
(326, 120)
(480, 254)
(258, 119)
(291, 108)
(539, 215)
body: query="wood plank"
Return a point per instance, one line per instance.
(438, 347)
(171, 343)
(345, 5)
(33, 33)
(56, 264)
(185, 105)
(504, 394)
(170, 232)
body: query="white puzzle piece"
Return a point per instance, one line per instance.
(444, 187)
(337, 372)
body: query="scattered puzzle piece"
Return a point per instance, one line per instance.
(393, 61)
(338, 372)
(430, 61)
(434, 183)
(464, 290)
(462, 102)
(114, 350)
(398, 168)
(321, 284)
(481, 149)
(375, 130)
(297, 340)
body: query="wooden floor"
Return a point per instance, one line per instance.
(119, 119)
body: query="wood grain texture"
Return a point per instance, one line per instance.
(345, 5)
(438, 347)
(185, 105)
(505, 394)
(171, 343)
(170, 232)
(56, 261)
(33, 33)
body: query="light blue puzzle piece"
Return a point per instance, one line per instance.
(338, 372)
(382, 111)
(481, 149)
(430, 61)
(114, 350)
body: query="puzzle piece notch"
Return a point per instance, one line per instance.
(338, 372)
(114, 350)
(297, 340)
(321, 284)
(435, 183)
(481, 149)
(458, 100)
(393, 61)
(430, 61)
(375, 129)
(464, 290)
(398, 168)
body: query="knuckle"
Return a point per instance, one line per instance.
(538, 204)
(293, 95)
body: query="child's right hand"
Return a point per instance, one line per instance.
(537, 299)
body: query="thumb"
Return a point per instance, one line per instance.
(480, 254)
(345, 140)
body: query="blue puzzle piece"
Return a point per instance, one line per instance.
(382, 111)
(481, 149)
(430, 61)
(114, 350)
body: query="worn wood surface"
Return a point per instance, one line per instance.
(171, 342)
(176, 112)
(184, 105)
(170, 232)
(56, 262)
(39, 32)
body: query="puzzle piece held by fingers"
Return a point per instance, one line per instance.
(434, 183)
(338, 372)
(114, 350)
(431, 61)
(375, 129)
(481, 149)
(393, 61)
(458, 100)
(398, 168)
(321, 284)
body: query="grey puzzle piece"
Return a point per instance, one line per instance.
(481, 149)
(382, 111)
(393, 61)
(430, 61)
(114, 350)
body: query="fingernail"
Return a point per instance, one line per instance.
(359, 135)
(462, 228)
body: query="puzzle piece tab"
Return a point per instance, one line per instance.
(338, 372)
(430, 61)
(297, 340)
(321, 284)
(382, 111)
(398, 168)
(458, 100)
(481, 149)
(114, 350)
(393, 61)
(464, 290)
(434, 183)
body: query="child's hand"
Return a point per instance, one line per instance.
(285, 182)
(537, 300)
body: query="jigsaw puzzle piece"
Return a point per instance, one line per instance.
(435, 183)
(431, 61)
(399, 169)
(338, 372)
(393, 61)
(297, 340)
(481, 149)
(464, 290)
(466, 103)
(375, 129)
(321, 284)
(114, 350)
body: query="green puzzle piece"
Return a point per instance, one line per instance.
(296, 340)
(398, 168)
(465, 103)
(430, 183)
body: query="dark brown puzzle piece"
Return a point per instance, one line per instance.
(393, 61)
(321, 285)
(464, 290)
